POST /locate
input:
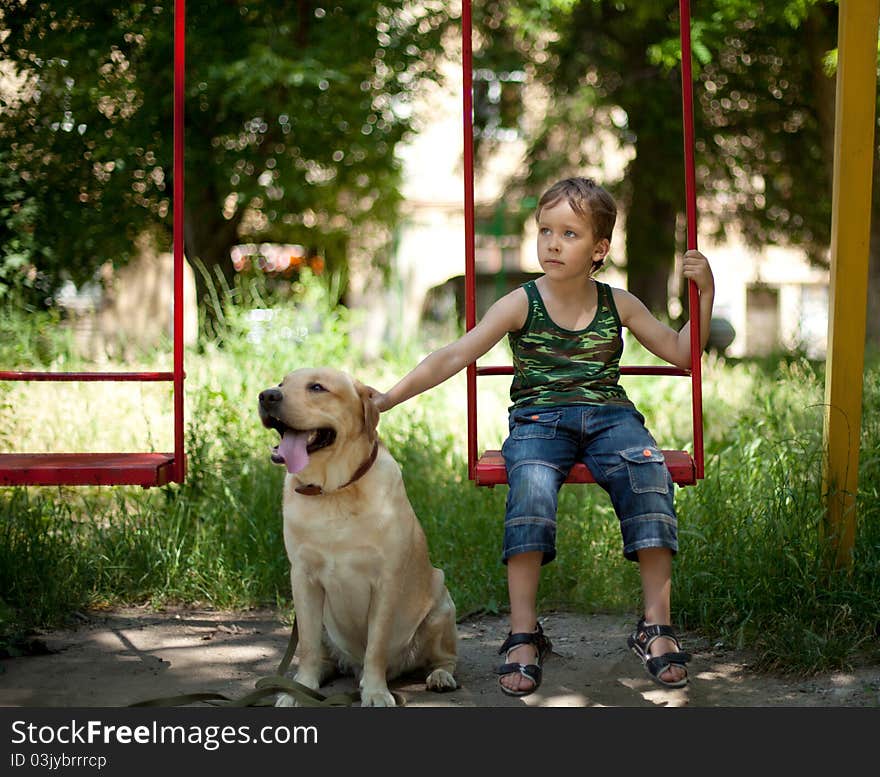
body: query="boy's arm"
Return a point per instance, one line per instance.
(506, 315)
(659, 339)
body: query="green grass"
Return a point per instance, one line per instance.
(752, 569)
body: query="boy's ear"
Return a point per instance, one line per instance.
(600, 251)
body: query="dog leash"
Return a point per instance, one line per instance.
(265, 688)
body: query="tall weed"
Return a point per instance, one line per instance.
(754, 567)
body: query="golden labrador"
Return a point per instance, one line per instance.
(364, 591)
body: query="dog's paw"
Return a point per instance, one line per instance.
(377, 697)
(441, 680)
(289, 700)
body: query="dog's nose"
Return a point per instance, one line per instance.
(270, 396)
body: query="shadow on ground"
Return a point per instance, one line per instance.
(118, 658)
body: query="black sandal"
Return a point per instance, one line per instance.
(531, 672)
(640, 643)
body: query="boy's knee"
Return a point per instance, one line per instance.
(534, 488)
(530, 520)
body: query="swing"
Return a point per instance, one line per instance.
(488, 469)
(113, 469)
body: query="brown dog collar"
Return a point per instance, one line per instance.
(313, 490)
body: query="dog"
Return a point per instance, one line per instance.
(365, 594)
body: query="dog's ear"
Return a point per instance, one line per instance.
(371, 412)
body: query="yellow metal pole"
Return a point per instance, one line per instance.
(855, 105)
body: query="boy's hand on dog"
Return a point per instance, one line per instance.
(379, 400)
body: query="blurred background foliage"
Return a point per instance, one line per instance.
(295, 111)
(293, 114)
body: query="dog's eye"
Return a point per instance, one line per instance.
(316, 387)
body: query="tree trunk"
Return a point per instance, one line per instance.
(650, 222)
(820, 28)
(209, 239)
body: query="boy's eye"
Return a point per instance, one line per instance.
(570, 233)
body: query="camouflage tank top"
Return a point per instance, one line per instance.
(556, 366)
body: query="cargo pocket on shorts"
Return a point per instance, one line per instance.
(535, 425)
(647, 470)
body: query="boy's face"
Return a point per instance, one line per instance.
(567, 247)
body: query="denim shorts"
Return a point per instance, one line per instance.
(612, 440)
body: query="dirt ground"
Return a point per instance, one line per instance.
(117, 658)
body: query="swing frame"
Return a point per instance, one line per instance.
(489, 469)
(113, 469)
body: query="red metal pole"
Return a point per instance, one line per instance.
(687, 104)
(470, 269)
(143, 377)
(179, 71)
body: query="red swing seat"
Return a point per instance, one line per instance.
(86, 469)
(490, 469)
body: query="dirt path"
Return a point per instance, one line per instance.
(124, 656)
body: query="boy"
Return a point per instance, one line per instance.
(565, 333)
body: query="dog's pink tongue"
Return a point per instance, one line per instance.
(292, 449)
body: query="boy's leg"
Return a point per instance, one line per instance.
(627, 463)
(538, 454)
(523, 575)
(655, 567)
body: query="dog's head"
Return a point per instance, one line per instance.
(326, 421)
